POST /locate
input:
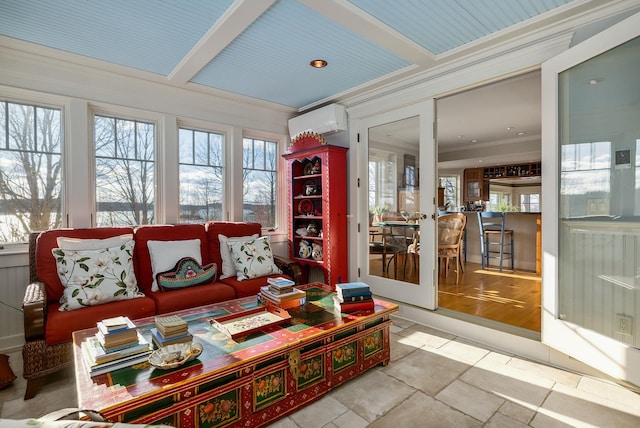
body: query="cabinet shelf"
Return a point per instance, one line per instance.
(516, 170)
(307, 177)
(299, 197)
(311, 153)
(309, 238)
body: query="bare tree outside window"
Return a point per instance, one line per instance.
(30, 170)
(260, 181)
(125, 152)
(450, 184)
(201, 176)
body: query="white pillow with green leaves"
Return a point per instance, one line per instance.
(253, 258)
(94, 277)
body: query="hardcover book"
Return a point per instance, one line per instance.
(161, 341)
(99, 355)
(116, 323)
(352, 289)
(96, 369)
(361, 298)
(353, 306)
(115, 332)
(280, 282)
(171, 325)
(115, 343)
(278, 298)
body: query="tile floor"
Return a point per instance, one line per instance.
(434, 380)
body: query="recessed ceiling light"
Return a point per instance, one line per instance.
(474, 141)
(520, 134)
(509, 128)
(318, 63)
(594, 81)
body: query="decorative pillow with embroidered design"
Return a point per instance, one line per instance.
(186, 273)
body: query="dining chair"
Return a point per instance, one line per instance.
(450, 230)
(414, 249)
(380, 245)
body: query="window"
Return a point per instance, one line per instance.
(125, 154)
(530, 202)
(201, 176)
(260, 181)
(30, 170)
(500, 201)
(450, 184)
(383, 183)
(585, 179)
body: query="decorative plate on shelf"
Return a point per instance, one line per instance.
(308, 168)
(305, 206)
(175, 355)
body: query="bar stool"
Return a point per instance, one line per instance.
(496, 242)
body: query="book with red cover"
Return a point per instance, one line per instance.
(346, 307)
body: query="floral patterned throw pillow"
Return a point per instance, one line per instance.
(94, 277)
(253, 258)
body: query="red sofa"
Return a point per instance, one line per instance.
(48, 330)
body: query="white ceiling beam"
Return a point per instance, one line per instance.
(360, 22)
(234, 21)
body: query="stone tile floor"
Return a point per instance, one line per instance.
(434, 380)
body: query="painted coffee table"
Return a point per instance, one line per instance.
(249, 381)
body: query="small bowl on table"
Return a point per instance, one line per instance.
(175, 355)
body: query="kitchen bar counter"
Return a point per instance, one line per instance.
(526, 238)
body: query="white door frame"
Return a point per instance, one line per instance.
(603, 353)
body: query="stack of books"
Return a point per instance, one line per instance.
(281, 293)
(169, 330)
(353, 296)
(117, 333)
(116, 345)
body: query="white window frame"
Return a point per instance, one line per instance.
(281, 208)
(211, 127)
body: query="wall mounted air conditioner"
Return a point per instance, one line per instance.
(325, 120)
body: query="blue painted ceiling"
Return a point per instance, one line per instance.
(262, 48)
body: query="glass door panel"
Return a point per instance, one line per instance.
(592, 309)
(397, 246)
(599, 218)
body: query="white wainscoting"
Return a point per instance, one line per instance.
(600, 276)
(14, 277)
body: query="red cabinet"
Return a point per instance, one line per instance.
(317, 205)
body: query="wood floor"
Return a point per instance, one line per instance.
(512, 298)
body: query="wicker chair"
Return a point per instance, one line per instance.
(450, 232)
(39, 359)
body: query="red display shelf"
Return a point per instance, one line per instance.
(314, 199)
